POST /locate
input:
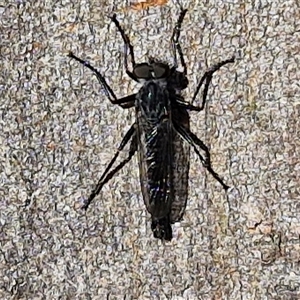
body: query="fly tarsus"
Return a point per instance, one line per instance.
(194, 141)
(216, 176)
(206, 161)
(207, 77)
(107, 175)
(125, 102)
(107, 89)
(175, 42)
(127, 45)
(89, 200)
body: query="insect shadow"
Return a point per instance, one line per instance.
(161, 132)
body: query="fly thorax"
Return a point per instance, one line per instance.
(153, 101)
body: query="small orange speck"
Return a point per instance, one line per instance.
(51, 146)
(37, 45)
(147, 3)
(71, 27)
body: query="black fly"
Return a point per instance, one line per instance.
(161, 133)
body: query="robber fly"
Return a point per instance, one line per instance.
(161, 133)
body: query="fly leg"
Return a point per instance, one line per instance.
(207, 77)
(175, 42)
(127, 45)
(107, 175)
(186, 105)
(125, 102)
(194, 141)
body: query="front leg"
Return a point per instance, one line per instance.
(125, 102)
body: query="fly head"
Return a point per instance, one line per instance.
(159, 70)
(161, 84)
(152, 70)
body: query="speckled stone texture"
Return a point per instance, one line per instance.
(58, 132)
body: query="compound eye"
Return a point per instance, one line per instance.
(160, 70)
(142, 71)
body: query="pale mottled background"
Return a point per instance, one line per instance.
(58, 132)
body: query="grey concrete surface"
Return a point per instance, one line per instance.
(58, 132)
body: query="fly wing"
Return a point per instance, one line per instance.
(180, 165)
(163, 156)
(156, 171)
(164, 167)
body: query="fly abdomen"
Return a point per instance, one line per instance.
(162, 228)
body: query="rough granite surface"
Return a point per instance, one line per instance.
(58, 132)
